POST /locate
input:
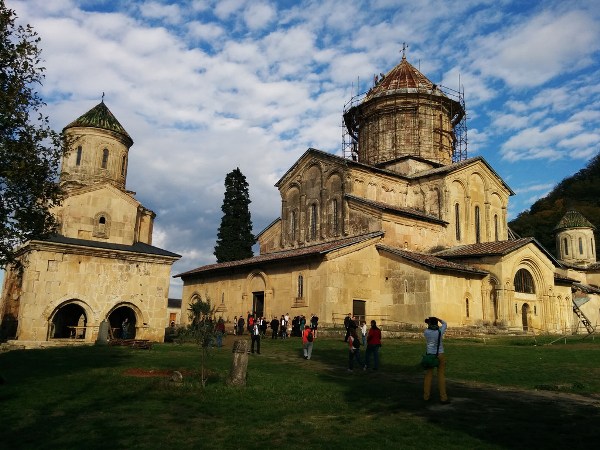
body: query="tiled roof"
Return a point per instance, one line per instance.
(398, 210)
(403, 77)
(312, 250)
(564, 279)
(495, 248)
(431, 261)
(573, 219)
(101, 117)
(138, 247)
(587, 289)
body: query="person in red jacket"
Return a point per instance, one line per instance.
(373, 346)
(307, 342)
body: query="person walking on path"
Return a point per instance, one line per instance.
(373, 346)
(307, 341)
(435, 345)
(353, 350)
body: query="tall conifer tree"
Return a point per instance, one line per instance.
(235, 238)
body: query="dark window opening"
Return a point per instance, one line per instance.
(524, 282)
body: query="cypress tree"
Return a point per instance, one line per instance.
(235, 238)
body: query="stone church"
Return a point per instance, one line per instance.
(101, 265)
(403, 226)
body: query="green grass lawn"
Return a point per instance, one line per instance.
(506, 393)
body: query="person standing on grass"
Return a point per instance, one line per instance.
(274, 327)
(314, 324)
(347, 326)
(220, 331)
(353, 350)
(240, 324)
(435, 345)
(363, 332)
(255, 333)
(373, 345)
(307, 341)
(235, 325)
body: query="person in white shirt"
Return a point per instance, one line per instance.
(435, 346)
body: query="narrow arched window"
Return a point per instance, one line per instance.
(313, 221)
(334, 212)
(457, 220)
(477, 227)
(79, 153)
(566, 246)
(467, 307)
(592, 246)
(123, 165)
(524, 282)
(300, 286)
(496, 231)
(293, 225)
(405, 285)
(580, 246)
(104, 158)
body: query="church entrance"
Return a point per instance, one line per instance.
(525, 316)
(258, 303)
(122, 323)
(359, 310)
(68, 321)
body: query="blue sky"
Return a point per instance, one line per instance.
(204, 87)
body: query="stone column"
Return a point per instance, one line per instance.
(239, 364)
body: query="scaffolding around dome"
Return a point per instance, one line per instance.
(404, 114)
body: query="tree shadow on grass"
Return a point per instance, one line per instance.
(506, 417)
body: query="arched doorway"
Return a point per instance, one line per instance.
(524, 316)
(68, 321)
(122, 322)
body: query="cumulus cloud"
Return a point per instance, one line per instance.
(206, 86)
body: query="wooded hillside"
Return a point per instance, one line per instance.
(580, 192)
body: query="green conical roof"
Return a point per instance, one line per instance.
(573, 219)
(101, 117)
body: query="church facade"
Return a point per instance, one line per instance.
(101, 265)
(403, 227)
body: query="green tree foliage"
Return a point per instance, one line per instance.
(580, 192)
(201, 329)
(235, 238)
(30, 151)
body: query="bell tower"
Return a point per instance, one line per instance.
(99, 150)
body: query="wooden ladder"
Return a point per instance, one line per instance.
(583, 319)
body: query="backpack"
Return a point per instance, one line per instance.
(309, 337)
(355, 342)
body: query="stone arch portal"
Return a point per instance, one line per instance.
(123, 321)
(68, 320)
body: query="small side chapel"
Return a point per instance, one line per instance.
(101, 265)
(401, 227)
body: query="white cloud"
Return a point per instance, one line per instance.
(258, 15)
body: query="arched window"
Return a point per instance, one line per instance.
(467, 306)
(293, 225)
(123, 165)
(405, 285)
(334, 219)
(477, 227)
(102, 225)
(592, 246)
(496, 231)
(104, 158)
(300, 286)
(566, 246)
(580, 246)
(457, 220)
(79, 153)
(524, 282)
(313, 221)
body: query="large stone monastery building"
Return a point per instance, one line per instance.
(101, 266)
(403, 227)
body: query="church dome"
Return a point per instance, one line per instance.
(101, 117)
(573, 219)
(402, 78)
